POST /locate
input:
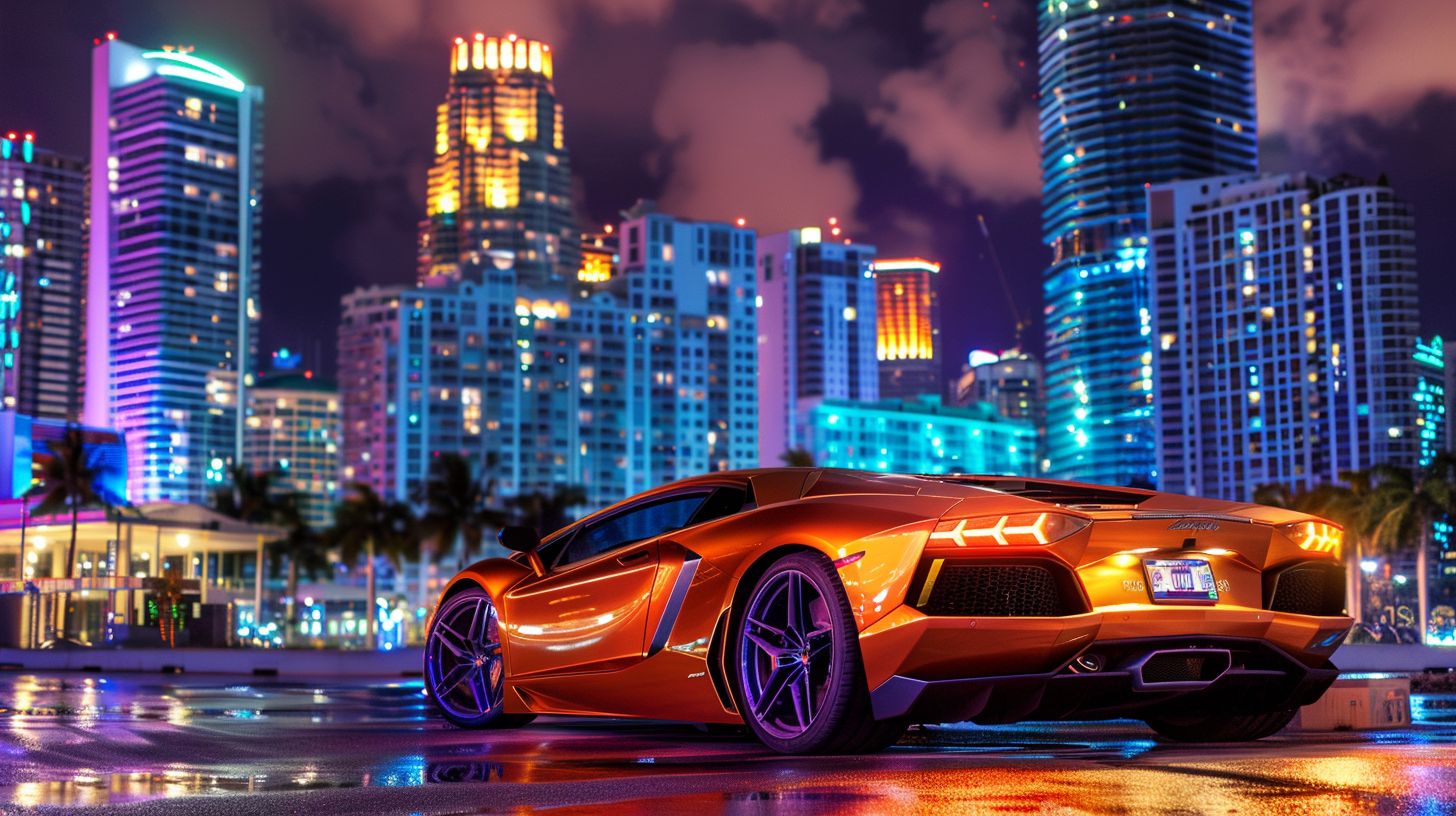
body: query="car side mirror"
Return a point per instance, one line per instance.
(524, 540)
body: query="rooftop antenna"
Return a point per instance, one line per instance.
(1001, 276)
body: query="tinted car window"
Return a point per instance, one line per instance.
(632, 525)
(724, 502)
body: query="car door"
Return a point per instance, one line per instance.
(589, 611)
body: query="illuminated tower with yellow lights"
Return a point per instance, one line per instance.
(500, 179)
(907, 330)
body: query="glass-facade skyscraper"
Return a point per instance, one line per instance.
(172, 266)
(1132, 93)
(42, 217)
(501, 179)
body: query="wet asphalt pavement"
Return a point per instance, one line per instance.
(203, 745)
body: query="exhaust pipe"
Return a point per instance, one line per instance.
(1179, 669)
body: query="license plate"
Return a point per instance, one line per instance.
(1180, 580)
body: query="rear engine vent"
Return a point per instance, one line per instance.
(1021, 590)
(1184, 667)
(1309, 589)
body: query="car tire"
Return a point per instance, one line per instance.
(1221, 727)
(465, 666)
(798, 676)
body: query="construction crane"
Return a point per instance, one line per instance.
(1001, 276)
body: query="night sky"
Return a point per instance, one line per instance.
(904, 118)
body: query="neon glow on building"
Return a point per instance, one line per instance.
(1132, 93)
(176, 158)
(907, 334)
(501, 180)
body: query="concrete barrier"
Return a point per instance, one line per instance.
(1393, 657)
(262, 662)
(1359, 704)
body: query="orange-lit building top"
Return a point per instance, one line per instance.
(598, 256)
(905, 301)
(500, 179)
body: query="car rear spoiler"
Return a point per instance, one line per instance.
(1072, 494)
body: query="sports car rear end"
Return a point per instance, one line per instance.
(1095, 603)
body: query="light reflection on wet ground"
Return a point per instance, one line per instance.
(199, 744)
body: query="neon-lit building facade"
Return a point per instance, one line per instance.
(907, 335)
(921, 435)
(42, 217)
(172, 289)
(1432, 399)
(1132, 92)
(1285, 328)
(816, 332)
(501, 179)
(292, 431)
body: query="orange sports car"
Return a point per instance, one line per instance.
(828, 609)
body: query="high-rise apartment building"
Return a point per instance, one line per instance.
(816, 332)
(614, 388)
(1132, 93)
(172, 265)
(501, 179)
(292, 431)
(1285, 332)
(907, 337)
(688, 292)
(42, 237)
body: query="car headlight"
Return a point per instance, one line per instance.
(1019, 529)
(1315, 536)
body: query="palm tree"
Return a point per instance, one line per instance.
(369, 525)
(548, 513)
(249, 497)
(1402, 507)
(456, 511)
(797, 457)
(304, 549)
(69, 483)
(1345, 504)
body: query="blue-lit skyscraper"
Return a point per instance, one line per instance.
(172, 287)
(1133, 93)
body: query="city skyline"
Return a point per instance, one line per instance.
(326, 210)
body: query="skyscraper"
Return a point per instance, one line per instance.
(292, 432)
(42, 219)
(816, 330)
(172, 267)
(907, 337)
(1286, 334)
(501, 179)
(1132, 93)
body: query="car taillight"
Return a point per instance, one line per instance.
(1315, 536)
(1020, 529)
